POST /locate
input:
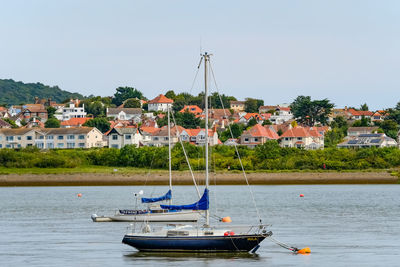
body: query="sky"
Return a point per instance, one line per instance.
(346, 51)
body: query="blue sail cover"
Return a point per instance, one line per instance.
(202, 204)
(167, 196)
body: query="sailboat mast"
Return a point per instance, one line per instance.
(206, 61)
(169, 154)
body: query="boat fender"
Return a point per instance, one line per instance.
(228, 233)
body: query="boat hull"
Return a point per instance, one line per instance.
(236, 243)
(152, 217)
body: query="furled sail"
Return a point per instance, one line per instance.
(202, 204)
(167, 196)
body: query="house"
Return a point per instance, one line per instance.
(160, 103)
(4, 124)
(74, 122)
(238, 106)
(198, 136)
(4, 113)
(231, 142)
(358, 114)
(70, 110)
(258, 135)
(354, 131)
(121, 136)
(34, 123)
(248, 116)
(17, 138)
(160, 138)
(379, 115)
(14, 110)
(192, 109)
(266, 109)
(128, 114)
(147, 134)
(281, 115)
(30, 111)
(300, 137)
(78, 137)
(368, 140)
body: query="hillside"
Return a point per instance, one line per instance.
(14, 93)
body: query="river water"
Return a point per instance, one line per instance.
(344, 225)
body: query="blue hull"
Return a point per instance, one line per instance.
(234, 243)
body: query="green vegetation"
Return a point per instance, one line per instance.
(52, 123)
(310, 112)
(124, 93)
(100, 123)
(267, 157)
(15, 93)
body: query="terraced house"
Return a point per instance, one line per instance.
(48, 138)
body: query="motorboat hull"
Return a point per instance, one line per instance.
(235, 243)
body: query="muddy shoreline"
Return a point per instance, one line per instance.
(183, 178)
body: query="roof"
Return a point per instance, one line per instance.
(261, 131)
(219, 112)
(125, 110)
(19, 131)
(237, 102)
(192, 109)
(160, 99)
(363, 129)
(72, 130)
(164, 131)
(360, 112)
(75, 121)
(123, 130)
(4, 124)
(301, 132)
(283, 108)
(268, 107)
(149, 129)
(256, 116)
(195, 132)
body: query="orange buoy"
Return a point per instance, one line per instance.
(226, 219)
(305, 250)
(79, 195)
(301, 195)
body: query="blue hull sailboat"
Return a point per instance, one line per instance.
(189, 238)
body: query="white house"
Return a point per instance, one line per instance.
(120, 137)
(300, 137)
(198, 136)
(70, 110)
(281, 115)
(17, 138)
(125, 114)
(160, 103)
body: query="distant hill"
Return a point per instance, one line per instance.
(14, 93)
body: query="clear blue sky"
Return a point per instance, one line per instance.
(346, 51)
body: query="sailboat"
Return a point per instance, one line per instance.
(154, 213)
(206, 238)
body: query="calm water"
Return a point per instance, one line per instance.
(344, 225)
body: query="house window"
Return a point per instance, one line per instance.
(19, 145)
(50, 137)
(60, 137)
(10, 138)
(71, 136)
(299, 138)
(70, 145)
(286, 138)
(114, 146)
(8, 146)
(19, 137)
(41, 137)
(81, 145)
(60, 145)
(155, 138)
(81, 137)
(50, 145)
(246, 139)
(255, 139)
(128, 137)
(1, 146)
(114, 137)
(29, 138)
(166, 138)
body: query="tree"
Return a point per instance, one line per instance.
(251, 122)
(187, 120)
(52, 123)
(333, 137)
(390, 128)
(11, 122)
(364, 107)
(100, 123)
(124, 93)
(170, 94)
(237, 130)
(251, 105)
(51, 111)
(310, 112)
(95, 108)
(266, 122)
(132, 103)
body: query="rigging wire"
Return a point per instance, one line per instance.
(186, 157)
(235, 145)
